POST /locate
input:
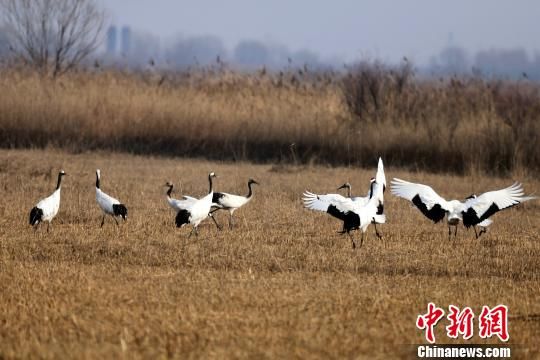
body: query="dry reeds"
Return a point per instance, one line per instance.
(450, 125)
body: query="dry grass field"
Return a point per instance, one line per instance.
(282, 284)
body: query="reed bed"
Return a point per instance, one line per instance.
(453, 125)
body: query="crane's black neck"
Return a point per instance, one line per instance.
(59, 181)
(210, 183)
(97, 181)
(169, 192)
(371, 189)
(250, 192)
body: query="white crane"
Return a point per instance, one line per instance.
(355, 215)
(108, 204)
(476, 210)
(184, 203)
(197, 210)
(231, 202)
(363, 200)
(46, 209)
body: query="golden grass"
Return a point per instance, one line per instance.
(453, 125)
(226, 116)
(283, 284)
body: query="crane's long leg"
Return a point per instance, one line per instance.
(449, 232)
(192, 230)
(475, 233)
(376, 231)
(379, 235)
(231, 221)
(455, 232)
(482, 231)
(215, 222)
(48, 224)
(352, 240)
(362, 239)
(102, 220)
(114, 217)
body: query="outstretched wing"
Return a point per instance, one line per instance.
(334, 204)
(433, 206)
(482, 207)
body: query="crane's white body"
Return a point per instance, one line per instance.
(231, 202)
(47, 208)
(106, 202)
(177, 204)
(360, 200)
(199, 209)
(50, 205)
(193, 211)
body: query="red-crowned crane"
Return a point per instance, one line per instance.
(231, 202)
(46, 209)
(476, 210)
(354, 214)
(108, 204)
(198, 210)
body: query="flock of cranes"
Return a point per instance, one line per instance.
(356, 213)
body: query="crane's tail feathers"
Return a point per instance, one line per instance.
(182, 218)
(120, 210)
(35, 216)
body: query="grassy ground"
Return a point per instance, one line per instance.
(283, 284)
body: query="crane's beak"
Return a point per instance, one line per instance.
(342, 187)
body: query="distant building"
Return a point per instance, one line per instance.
(126, 40)
(111, 40)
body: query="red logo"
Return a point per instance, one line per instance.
(490, 322)
(429, 320)
(494, 322)
(460, 322)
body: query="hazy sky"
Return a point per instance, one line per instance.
(345, 29)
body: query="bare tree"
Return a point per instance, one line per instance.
(53, 35)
